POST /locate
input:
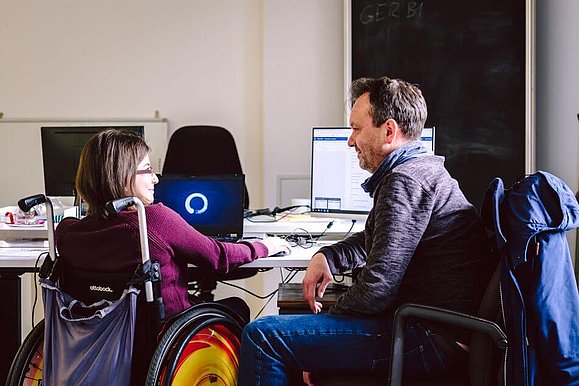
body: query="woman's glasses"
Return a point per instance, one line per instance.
(148, 170)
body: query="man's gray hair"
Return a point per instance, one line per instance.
(396, 99)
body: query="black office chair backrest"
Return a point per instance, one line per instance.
(203, 150)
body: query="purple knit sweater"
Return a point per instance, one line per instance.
(113, 244)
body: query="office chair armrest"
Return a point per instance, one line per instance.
(487, 327)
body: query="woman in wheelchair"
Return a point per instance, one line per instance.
(115, 164)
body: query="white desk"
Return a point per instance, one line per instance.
(298, 258)
(14, 262)
(301, 224)
(13, 232)
(24, 258)
(20, 247)
(255, 227)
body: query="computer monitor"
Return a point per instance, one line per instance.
(212, 204)
(336, 176)
(61, 147)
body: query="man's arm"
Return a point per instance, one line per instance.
(401, 215)
(340, 257)
(347, 254)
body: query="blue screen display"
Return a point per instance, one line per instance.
(211, 204)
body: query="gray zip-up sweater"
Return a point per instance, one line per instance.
(423, 243)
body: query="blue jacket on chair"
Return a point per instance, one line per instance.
(538, 287)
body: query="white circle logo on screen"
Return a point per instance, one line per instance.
(190, 198)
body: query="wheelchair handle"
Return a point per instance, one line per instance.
(115, 206)
(27, 203)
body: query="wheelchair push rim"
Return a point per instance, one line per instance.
(28, 364)
(209, 357)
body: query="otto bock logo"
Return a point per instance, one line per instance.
(196, 203)
(100, 289)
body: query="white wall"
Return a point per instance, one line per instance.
(557, 91)
(196, 62)
(303, 83)
(557, 85)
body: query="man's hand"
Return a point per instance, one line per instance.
(318, 272)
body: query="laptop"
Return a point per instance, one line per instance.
(211, 204)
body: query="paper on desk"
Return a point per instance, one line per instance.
(304, 218)
(35, 243)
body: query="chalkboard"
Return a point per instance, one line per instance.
(468, 58)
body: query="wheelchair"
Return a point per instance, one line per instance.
(196, 347)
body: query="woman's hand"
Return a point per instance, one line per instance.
(276, 245)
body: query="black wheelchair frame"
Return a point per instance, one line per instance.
(173, 354)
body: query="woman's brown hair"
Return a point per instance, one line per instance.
(107, 168)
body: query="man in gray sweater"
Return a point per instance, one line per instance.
(423, 243)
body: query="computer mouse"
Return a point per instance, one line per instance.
(283, 252)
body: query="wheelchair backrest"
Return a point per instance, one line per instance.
(92, 286)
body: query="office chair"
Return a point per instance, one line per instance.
(203, 150)
(527, 323)
(534, 288)
(486, 351)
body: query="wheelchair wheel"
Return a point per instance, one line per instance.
(27, 365)
(200, 348)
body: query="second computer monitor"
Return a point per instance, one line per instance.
(61, 148)
(336, 176)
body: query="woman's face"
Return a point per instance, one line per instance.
(145, 181)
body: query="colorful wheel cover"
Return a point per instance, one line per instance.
(33, 376)
(210, 358)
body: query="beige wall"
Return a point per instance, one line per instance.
(557, 93)
(266, 70)
(196, 62)
(303, 83)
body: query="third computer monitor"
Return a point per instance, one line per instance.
(336, 176)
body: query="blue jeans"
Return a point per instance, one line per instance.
(275, 347)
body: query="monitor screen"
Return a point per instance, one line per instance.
(212, 204)
(61, 147)
(336, 176)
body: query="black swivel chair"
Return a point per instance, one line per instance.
(205, 150)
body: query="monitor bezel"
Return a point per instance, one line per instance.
(53, 163)
(342, 213)
(336, 213)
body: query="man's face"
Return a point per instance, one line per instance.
(365, 138)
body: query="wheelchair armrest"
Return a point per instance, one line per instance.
(487, 327)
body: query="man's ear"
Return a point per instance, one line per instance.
(391, 129)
